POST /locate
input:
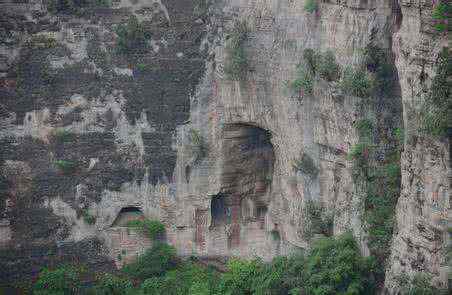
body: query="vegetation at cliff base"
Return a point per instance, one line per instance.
(334, 265)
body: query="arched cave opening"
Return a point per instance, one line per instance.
(127, 214)
(246, 175)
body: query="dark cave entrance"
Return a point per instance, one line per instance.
(246, 178)
(127, 214)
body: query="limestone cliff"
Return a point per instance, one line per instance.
(237, 123)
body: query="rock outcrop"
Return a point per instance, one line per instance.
(231, 164)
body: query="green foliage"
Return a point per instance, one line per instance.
(61, 281)
(420, 284)
(304, 81)
(358, 152)
(335, 266)
(440, 13)
(236, 64)
(63, 135)
(239, 278)
(154, 262)
(379, 63)
(197, 145)
(365, 129)
(109, 284)
(438, 105)
(320, 220)
(311, 6)
(327, 66)
(311, 59)
(88, 218)
(152, 228)
(66, 166)
(132, 37)
(75, 6)
(188, 278)
(356, 82)
(306, 165)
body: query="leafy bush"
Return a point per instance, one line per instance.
(61, 281)
(365, 129)
(304, 82)
(311, 59)
(306, 165)
(236, 64)
(356, 82)
(320, 221)
(378, 62)
(438, 104)
(440, 14)
(197, 145)
(188, 278)
(240, 276)
(327, 66)
(311, 6)
(154, 262)
(420, 284)
(335, 266)
(109, 284)
(358, 151)
(63, 135)
(66, 166)
(132, 37)
(88, 218)
(152, 228)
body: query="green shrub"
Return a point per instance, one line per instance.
(197, 144)
(438, 105)
(188, 278)
(61, 281)
(311, 59)
(88, 218)
(108, 284)
(320, 221)
(304, 82)
(311, 6)
(356, 82)
(236, 64)
(66, 166)
(365, 129)
(378, 61)
(306, 165)
(327, 66)
(420, 284)
(152, 228)
(132, 37)
(63, 135)
(335, 266)
(440, 15)
(358, 151)
(238, 280)
(154, 262)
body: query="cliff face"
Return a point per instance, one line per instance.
(234, 162)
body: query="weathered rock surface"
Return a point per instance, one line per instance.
(166, 134)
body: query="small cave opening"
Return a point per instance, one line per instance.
(219, 210)
(127, 214)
